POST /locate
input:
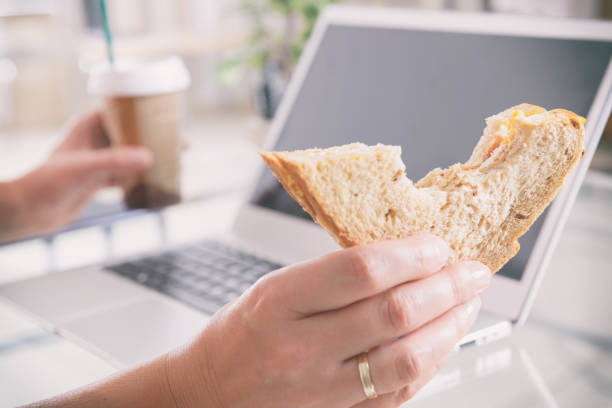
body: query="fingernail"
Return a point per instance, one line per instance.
(480, 274)
(472, 306)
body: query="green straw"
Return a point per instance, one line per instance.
(107, 33)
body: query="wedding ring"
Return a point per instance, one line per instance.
(366, 376)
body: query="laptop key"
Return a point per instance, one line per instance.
(142, 277)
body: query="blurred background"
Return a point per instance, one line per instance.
(241, 55)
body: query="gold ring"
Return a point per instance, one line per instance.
(366, 376)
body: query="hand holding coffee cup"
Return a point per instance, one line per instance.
(142, 106)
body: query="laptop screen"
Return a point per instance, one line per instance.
(429, 92)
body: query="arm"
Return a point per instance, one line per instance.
(144, 386)
(293, 338)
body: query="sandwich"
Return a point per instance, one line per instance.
(360, 194)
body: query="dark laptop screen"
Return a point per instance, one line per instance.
(429, 92)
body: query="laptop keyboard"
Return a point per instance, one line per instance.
(205, 276)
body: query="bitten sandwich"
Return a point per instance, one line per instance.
(360, 193)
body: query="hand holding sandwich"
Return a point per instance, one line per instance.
(293, 339)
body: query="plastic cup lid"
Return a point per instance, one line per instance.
(138, 77)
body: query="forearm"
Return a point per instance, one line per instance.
(11, 212)
(142, 387)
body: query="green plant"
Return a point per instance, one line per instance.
(280, 29)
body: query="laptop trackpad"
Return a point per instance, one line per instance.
(121, 320)
(62, 296)
(136, 332)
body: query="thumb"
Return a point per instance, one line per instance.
(111, 166)
(116, 161)
(86, 132)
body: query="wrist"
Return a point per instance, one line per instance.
(189, 378)
(143, 386)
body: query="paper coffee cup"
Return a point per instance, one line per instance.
(142, 106)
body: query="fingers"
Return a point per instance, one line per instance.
(86, 132)
(349, 275)
(399, 369)
(89, 123)
(413, 360)
(404, 366)
(111, 162)
(399, 310)
(88, 171)
(390, 400)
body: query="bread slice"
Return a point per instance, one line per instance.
(360, 193)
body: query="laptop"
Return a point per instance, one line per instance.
(420, 79)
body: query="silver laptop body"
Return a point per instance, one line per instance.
(423, 80)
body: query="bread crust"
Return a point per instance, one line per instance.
(518, 225)
(297, 178)
(289, 176)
